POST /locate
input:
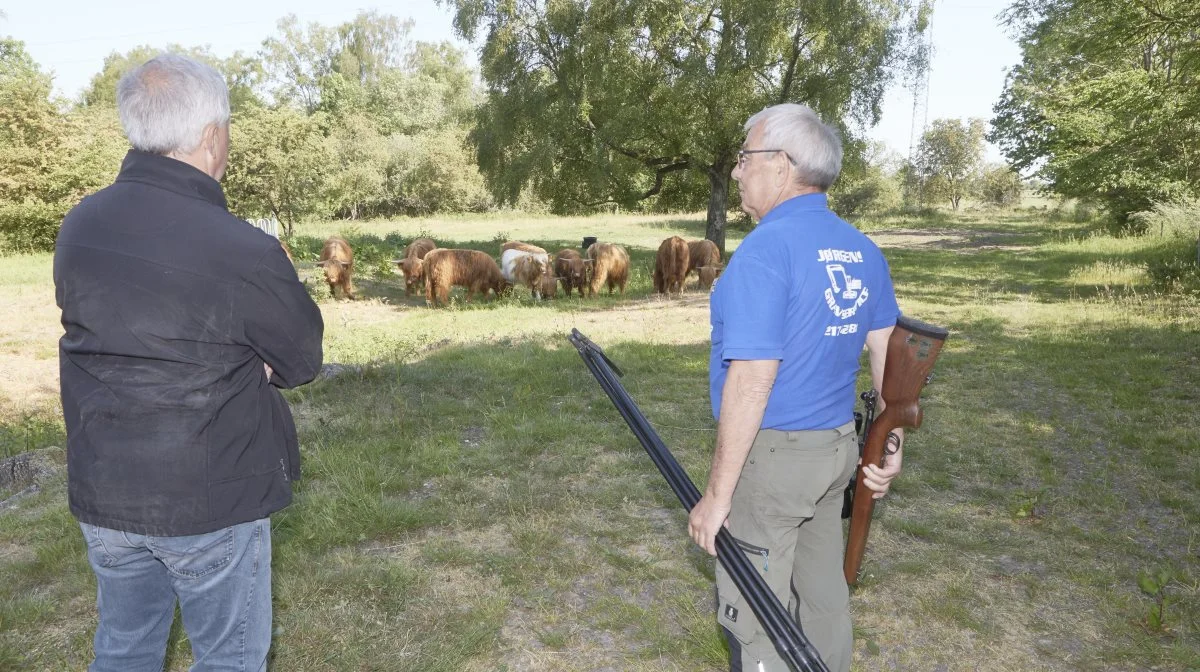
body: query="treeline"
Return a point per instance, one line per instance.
(355, 120)
(1105, 104)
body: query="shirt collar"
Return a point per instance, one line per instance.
(172, 175)
(797, 204)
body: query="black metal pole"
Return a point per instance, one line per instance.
(784, 632)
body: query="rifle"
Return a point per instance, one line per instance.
(862, 427)
(911, 352)
(784, 632)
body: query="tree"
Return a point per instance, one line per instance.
(948, 158)
(278, 164)
(1000, 185)
(1105, 103)
(48, 159)
(599, 102)
(298, 61)
(243, 74)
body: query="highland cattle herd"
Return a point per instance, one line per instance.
(525, 267)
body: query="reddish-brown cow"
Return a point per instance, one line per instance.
(571, 271)
(412, 263)
(670, 266)
(475, 270)
(709, 275)
(702, 253)
(610, 265)
(338, 261)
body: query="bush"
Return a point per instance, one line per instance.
(29, 227)
(873, 192)
(1000, 186)
(1174, 219)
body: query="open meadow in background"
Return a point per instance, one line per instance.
(472, 501)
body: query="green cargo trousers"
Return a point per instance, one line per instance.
(786, 517)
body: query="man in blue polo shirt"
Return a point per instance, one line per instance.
(790, 317)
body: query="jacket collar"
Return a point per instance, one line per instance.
(172, 175)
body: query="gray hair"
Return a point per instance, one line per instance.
(813, 147)
(166, 103)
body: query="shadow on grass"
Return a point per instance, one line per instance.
(500, 482)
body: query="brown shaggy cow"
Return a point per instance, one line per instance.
(549, 286)
(571, 271)
(411, 264)
(709, 275)
(670, 266)
(610, 265)
(475, 270)
(338, 261)
(518, 245)
(528, 270)
(702, 253)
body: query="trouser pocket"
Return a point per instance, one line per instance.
(733, 612)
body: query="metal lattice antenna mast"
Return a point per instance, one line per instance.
(920, 112)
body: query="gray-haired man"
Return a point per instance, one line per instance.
(790, 316)
(181, 321)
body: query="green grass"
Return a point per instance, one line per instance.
(471, 501)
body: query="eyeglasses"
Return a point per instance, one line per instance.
(741, 160)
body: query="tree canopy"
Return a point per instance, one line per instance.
(1105, 103)
(949, 157)
(614, 101)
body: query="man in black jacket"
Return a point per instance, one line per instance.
(182, 321)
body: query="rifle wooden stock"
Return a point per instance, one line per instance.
(911, 352)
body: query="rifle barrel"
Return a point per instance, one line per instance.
(784, 632)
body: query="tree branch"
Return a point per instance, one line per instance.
(659, 176)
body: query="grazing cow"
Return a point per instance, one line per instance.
(610, 265)
(518, 245)
(571, 271)
(709, 275)
(412, 263)
(338, 261)
(702, 253)
(670, 266)
(549, 286)
(475, 270)
(521, 267)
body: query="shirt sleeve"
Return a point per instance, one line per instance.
(282, 323)
(754, 310)
(888, 311)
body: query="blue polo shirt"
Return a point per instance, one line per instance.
(804, 288)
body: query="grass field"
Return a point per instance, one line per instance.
(472, 501)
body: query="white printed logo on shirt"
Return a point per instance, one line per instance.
(845, 294)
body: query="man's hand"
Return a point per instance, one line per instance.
(879, 479)
(268, 370)
(706, 520)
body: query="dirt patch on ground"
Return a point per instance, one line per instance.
(29, 352)
(955, 240)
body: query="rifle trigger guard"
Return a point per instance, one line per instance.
(892, 445)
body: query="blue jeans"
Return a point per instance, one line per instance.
(221, 579)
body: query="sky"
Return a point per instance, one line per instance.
(70, 38)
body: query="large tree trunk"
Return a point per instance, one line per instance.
(718, 179)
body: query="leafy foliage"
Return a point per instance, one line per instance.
(1104, 103)
(49, 159)
(948, 158)
(352, 120)
(1001, 186)
(598, 103)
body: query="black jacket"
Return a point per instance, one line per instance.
(171, 305)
